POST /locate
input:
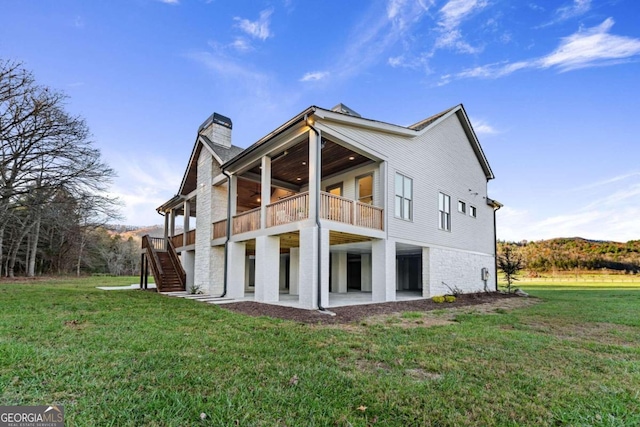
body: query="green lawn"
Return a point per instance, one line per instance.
(132, 358)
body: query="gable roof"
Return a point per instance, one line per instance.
(407, 131)
(227, 156)
(221, 153)
(422, 124)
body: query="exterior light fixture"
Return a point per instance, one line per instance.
(351, 158)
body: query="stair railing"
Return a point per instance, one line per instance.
(156, 268)
(177, 265)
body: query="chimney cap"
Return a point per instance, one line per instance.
(218, 119)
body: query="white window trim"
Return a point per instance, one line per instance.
(396, 195)
(444, 214)
(464, 207)
(473, 211)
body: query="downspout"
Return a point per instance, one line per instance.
(317, 212)
(226, 242)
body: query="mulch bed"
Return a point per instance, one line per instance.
(355, 313)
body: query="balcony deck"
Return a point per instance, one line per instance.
(294, 209)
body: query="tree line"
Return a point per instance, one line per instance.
(53, 186)
(564, 254)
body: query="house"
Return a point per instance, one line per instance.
(332, 204)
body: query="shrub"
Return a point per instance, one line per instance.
(438, 299)
(449, 298)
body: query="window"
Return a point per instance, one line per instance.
(472, 211)
(404, 197)
(335, 189)
(365, 189)
(444, 207)
(462, 207)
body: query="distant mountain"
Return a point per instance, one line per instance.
(578, 253)
(137, 232)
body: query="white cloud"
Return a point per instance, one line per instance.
(241, 44)
(258, 29)
(591, 47)
(611, 214)
(586, 48)
(169, 1)
(481, 127)
(376, 33)
(452, 14)
(142, 187)
(315, 76)
(577, 8)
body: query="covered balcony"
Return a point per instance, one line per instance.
(350, 190)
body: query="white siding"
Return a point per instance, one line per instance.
(440, 160)
(458, 269)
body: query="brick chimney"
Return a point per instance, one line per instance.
(218, 129)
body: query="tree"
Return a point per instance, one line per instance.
(510, 263)
(45, 152)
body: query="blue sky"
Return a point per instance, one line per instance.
(552, 88)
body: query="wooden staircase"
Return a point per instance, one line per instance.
(161, 256)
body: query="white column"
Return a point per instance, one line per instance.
(294, 264)
(383, 260)
(166, 225)
(172, 223)
(267, 268)
(426, 271)
(382, 183)
(185, 224)
(188, 263)
(324, 265)
(265, 192)
(308, 268)
(233, 187)
(365, 272)
(339, 272)
(314, 165)
(236, 259)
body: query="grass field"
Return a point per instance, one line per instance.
(132, 358)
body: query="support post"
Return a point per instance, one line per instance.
(187, 216)
(267, 269)
(236, 266)
(172, 223)
(383, 260)
(265, 191)
(294, 271)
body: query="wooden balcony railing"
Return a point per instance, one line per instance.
(191, 237)
(178, 241)
(246, 221)
(219, 229)
(336, 208)
(157, 243)
(341, 209)
(369, 216)
(291, 209)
